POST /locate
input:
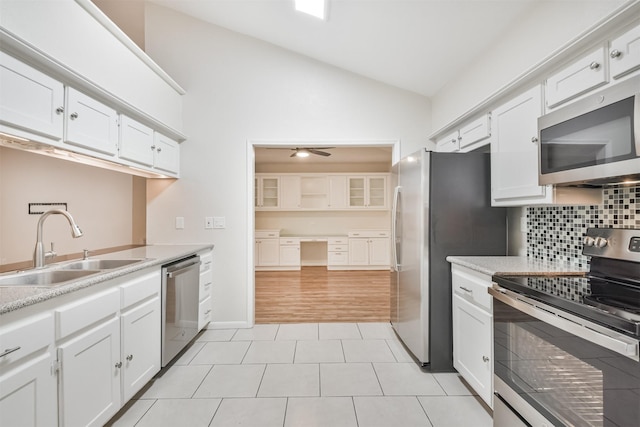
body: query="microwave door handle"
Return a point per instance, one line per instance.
(636, 122)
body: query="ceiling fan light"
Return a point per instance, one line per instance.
(302, 153)
(317, 8)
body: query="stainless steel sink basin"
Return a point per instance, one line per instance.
(99, 264)
(44, 277)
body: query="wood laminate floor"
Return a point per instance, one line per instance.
(315, 294)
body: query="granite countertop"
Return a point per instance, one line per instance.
(515, 266)
(17, 297)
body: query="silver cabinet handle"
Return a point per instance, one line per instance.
(594, 65)
(59, 110)
(453, 141)
(159, 149)
(485, 359)
(73, 116)
(153, 147)
(119, 365)
(615, 53)
(130, 357)
(9, 351)
(534, 139)
(207, 312)
(465, 289)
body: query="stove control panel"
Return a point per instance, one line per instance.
(616, 243)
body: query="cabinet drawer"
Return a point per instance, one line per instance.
(338, 241)
(206, 282)
(583, 75)
(27, 336)
(140, 288)
(338, 258)
(264, 234)
(204, 313)
(86, 311)
(472, 286)
(338, 248)
(206, 262)
(368, 233)
(289, 241)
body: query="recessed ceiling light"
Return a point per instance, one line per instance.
(317, 8)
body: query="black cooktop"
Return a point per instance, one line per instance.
(574, 294)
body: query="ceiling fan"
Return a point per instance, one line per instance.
(306, 151)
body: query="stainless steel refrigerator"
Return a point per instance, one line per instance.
(441, 207)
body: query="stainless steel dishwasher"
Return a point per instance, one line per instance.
(180, 287)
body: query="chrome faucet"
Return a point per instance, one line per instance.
(39, 255)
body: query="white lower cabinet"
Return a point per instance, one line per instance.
(28, 384)
(473, 330)
(90, 369)
(205, 294)
(290, 252)
(267, 252)
(369, 249)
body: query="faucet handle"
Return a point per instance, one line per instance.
(85, 253)
(51, 253)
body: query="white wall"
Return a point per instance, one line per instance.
(239, 89)
(99, 200)
(548, 26)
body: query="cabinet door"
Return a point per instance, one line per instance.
(377, 192)
(140, 346)
(472, 347)
(625, 53)
(290, 192)
(90, 376)
(90, 124)
(268, 252)
(583, 75)
(475, 131)
(379, 251)
(268, 192)
(290, 255)
(337, 192)
(514, 152)
(136, 142)
(357, 191)
(448, 143)
(29, 99)
(358, 251)
(167, 154)
(28, 394)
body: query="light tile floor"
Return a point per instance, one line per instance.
(302, 375)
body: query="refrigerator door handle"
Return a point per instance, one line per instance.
(394, 228)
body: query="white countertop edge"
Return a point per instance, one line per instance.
(166, 254)
(515, 266)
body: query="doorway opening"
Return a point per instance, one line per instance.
(300, 280)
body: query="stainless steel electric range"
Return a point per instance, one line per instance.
(566, 349)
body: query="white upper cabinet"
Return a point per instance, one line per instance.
(290, 192)
(267, 192)
(90, 124)
(475, 132)
(29, 99)
(136, 142)
(337, 192)
(579, 77)
(514, 152)
(167, 154)
(624, 53)
(448, 143)
(367, 192)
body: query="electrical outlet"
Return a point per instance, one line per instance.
(208, 222)
(179, 222)
(219, 222)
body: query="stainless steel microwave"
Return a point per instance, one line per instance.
(593, 141)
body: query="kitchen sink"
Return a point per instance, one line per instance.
(99, 264)
(44, 277)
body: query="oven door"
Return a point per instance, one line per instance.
(567, 370)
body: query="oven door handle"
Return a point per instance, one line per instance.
(575, 325)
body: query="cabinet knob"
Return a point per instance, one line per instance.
(485, 359)
(119, 365)
(59, 110)
(534, 139)
(615, 53)
(159, 149)
(130, 357)
(73, 116)
(594, 65)
(153, 147)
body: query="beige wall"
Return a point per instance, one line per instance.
(101, 202)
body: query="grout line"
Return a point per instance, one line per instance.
(355, 412)
(264, 371)
(377, 378)
(201, 381)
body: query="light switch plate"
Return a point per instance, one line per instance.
(179, 222)
(208, 222)
(219, 222)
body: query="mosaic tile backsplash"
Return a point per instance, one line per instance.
(555, 233)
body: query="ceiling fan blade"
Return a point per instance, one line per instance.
(319, 153)
(294, 154)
